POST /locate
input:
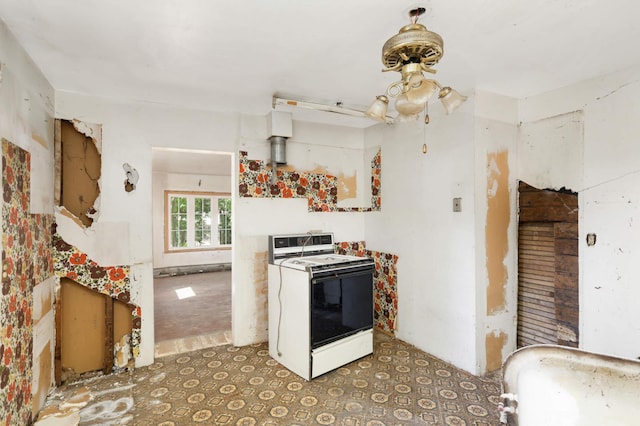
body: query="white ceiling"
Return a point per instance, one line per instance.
(235, 55)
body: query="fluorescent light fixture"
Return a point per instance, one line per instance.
(338, 108)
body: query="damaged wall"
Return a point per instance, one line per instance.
(319, 187)
(80, 166)
(26, 314)
(608, 185)
(334, 149)
(434, 245)
(448, 304)
(84, 298)
(550, 152)
(122, 234)
(497, 154)
(83, 329)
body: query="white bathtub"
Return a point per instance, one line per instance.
(558, 386)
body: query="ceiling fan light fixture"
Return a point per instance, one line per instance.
(406, 107)
(421, 92)
(451, 99)
(378, 109)
(412, 52)
(403, 118)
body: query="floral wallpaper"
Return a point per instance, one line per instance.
(26, 261)
(385, 276)
(321, 190)
(113, 281)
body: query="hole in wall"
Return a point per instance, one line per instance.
(79, 172)
(89, 324)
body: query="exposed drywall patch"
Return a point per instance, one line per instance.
(496, 229)
(42, 380)
(122, 319)
(63, 211)
(45, 304)
(82, 328)
(122, 352)
(114, 281)
(261, 279)
(42, 299)
(347, 187)
(81, 168)
(122, 327)
(494, 343)
(320, 189)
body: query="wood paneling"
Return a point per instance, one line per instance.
(566, 230)
(82, 328)
(548, 310)
(88, 324)
(546, 206)
(536, 270)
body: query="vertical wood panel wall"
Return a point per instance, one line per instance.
(548, 310)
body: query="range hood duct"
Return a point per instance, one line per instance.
(280, 127)
(278, 150)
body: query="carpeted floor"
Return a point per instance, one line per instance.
(226, 385)
(207, 310)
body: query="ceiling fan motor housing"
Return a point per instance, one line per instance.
(413, 44)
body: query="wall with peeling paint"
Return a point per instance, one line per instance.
(130, 131)
(435, 246)
(332, 149)
(609, 204)
(27, 342)
(550, 152)
(456, 288)
(123, 232)
(496, 130)
(449, 304)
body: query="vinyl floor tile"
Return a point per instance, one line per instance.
(226, 385)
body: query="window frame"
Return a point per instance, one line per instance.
(214, 196)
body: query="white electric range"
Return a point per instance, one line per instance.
(320, 304)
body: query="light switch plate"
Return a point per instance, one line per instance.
(457, 204)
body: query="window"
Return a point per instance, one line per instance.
(197, 220)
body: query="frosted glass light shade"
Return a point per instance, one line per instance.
(405, 107)
(421, 92)
(378, 109)
(451, 99)
(401, 118)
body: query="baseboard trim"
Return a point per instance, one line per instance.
(190, 269)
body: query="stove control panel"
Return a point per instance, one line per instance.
(292, 245)
(301, 240)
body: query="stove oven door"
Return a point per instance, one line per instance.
(341, 304)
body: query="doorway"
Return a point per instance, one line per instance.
(192, 248)
(548, 308)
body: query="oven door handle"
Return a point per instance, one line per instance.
(340, 273)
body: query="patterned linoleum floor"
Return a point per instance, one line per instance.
(227, 385)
